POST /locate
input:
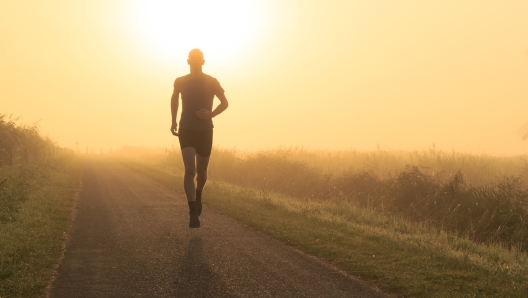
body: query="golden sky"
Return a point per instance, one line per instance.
(335, 74)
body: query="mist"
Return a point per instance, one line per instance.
(332, 76)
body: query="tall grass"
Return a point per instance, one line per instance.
(36, 204)
(23, 151)
(21, 143)
(15, 183)
(38, 182)
(477, 196)
(494, 212)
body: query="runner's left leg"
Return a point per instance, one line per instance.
(188, 155)
(202, 163)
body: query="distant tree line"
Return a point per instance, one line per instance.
(21, 143)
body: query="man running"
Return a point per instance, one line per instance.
(196, 127)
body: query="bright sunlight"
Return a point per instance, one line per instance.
(222, 29)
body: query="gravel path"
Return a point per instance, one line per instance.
(130, 238)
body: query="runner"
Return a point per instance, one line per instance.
(196, 127)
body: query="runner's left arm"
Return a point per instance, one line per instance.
(222, 106)
(205, 114)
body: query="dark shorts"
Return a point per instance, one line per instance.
(201, 140)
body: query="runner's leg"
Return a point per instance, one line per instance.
(202, 163)
(189, 154)
(201, 169)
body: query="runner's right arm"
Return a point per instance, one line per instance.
(174, 108)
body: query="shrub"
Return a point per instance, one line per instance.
(484, 213)
(430, 187)
(21, 143)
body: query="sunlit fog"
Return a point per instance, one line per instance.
(318, 75)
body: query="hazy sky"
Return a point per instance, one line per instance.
(317, 74)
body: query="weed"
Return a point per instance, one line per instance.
(476, 196)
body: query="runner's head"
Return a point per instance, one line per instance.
(196, 58)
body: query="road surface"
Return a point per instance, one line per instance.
(130, 238)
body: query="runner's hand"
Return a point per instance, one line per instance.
(174, 129)
(204, 114)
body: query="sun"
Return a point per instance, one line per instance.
(221, 29)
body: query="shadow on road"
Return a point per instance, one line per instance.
(195, 276)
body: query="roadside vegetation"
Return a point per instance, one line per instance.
(38, 182)
(421, 224)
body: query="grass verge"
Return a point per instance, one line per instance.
(32, 236)
(398, 256)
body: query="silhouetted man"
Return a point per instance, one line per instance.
(196, 127)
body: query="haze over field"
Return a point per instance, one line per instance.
(319, 74)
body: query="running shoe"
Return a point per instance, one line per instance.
(194, 222)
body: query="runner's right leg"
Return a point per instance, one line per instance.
(189, 156)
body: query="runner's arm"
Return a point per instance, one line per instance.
(205, 114)
(222, 106)
(174, 110)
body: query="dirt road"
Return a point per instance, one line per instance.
(130, 238)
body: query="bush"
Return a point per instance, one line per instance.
(21, 143)
(484, 213)
(432, 188)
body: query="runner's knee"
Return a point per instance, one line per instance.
(190, 173)
(202, 173)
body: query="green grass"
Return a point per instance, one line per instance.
(32, 231)
(399, 256)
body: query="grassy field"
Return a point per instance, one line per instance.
(385, 246)
(38, 184)
(32, 229)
